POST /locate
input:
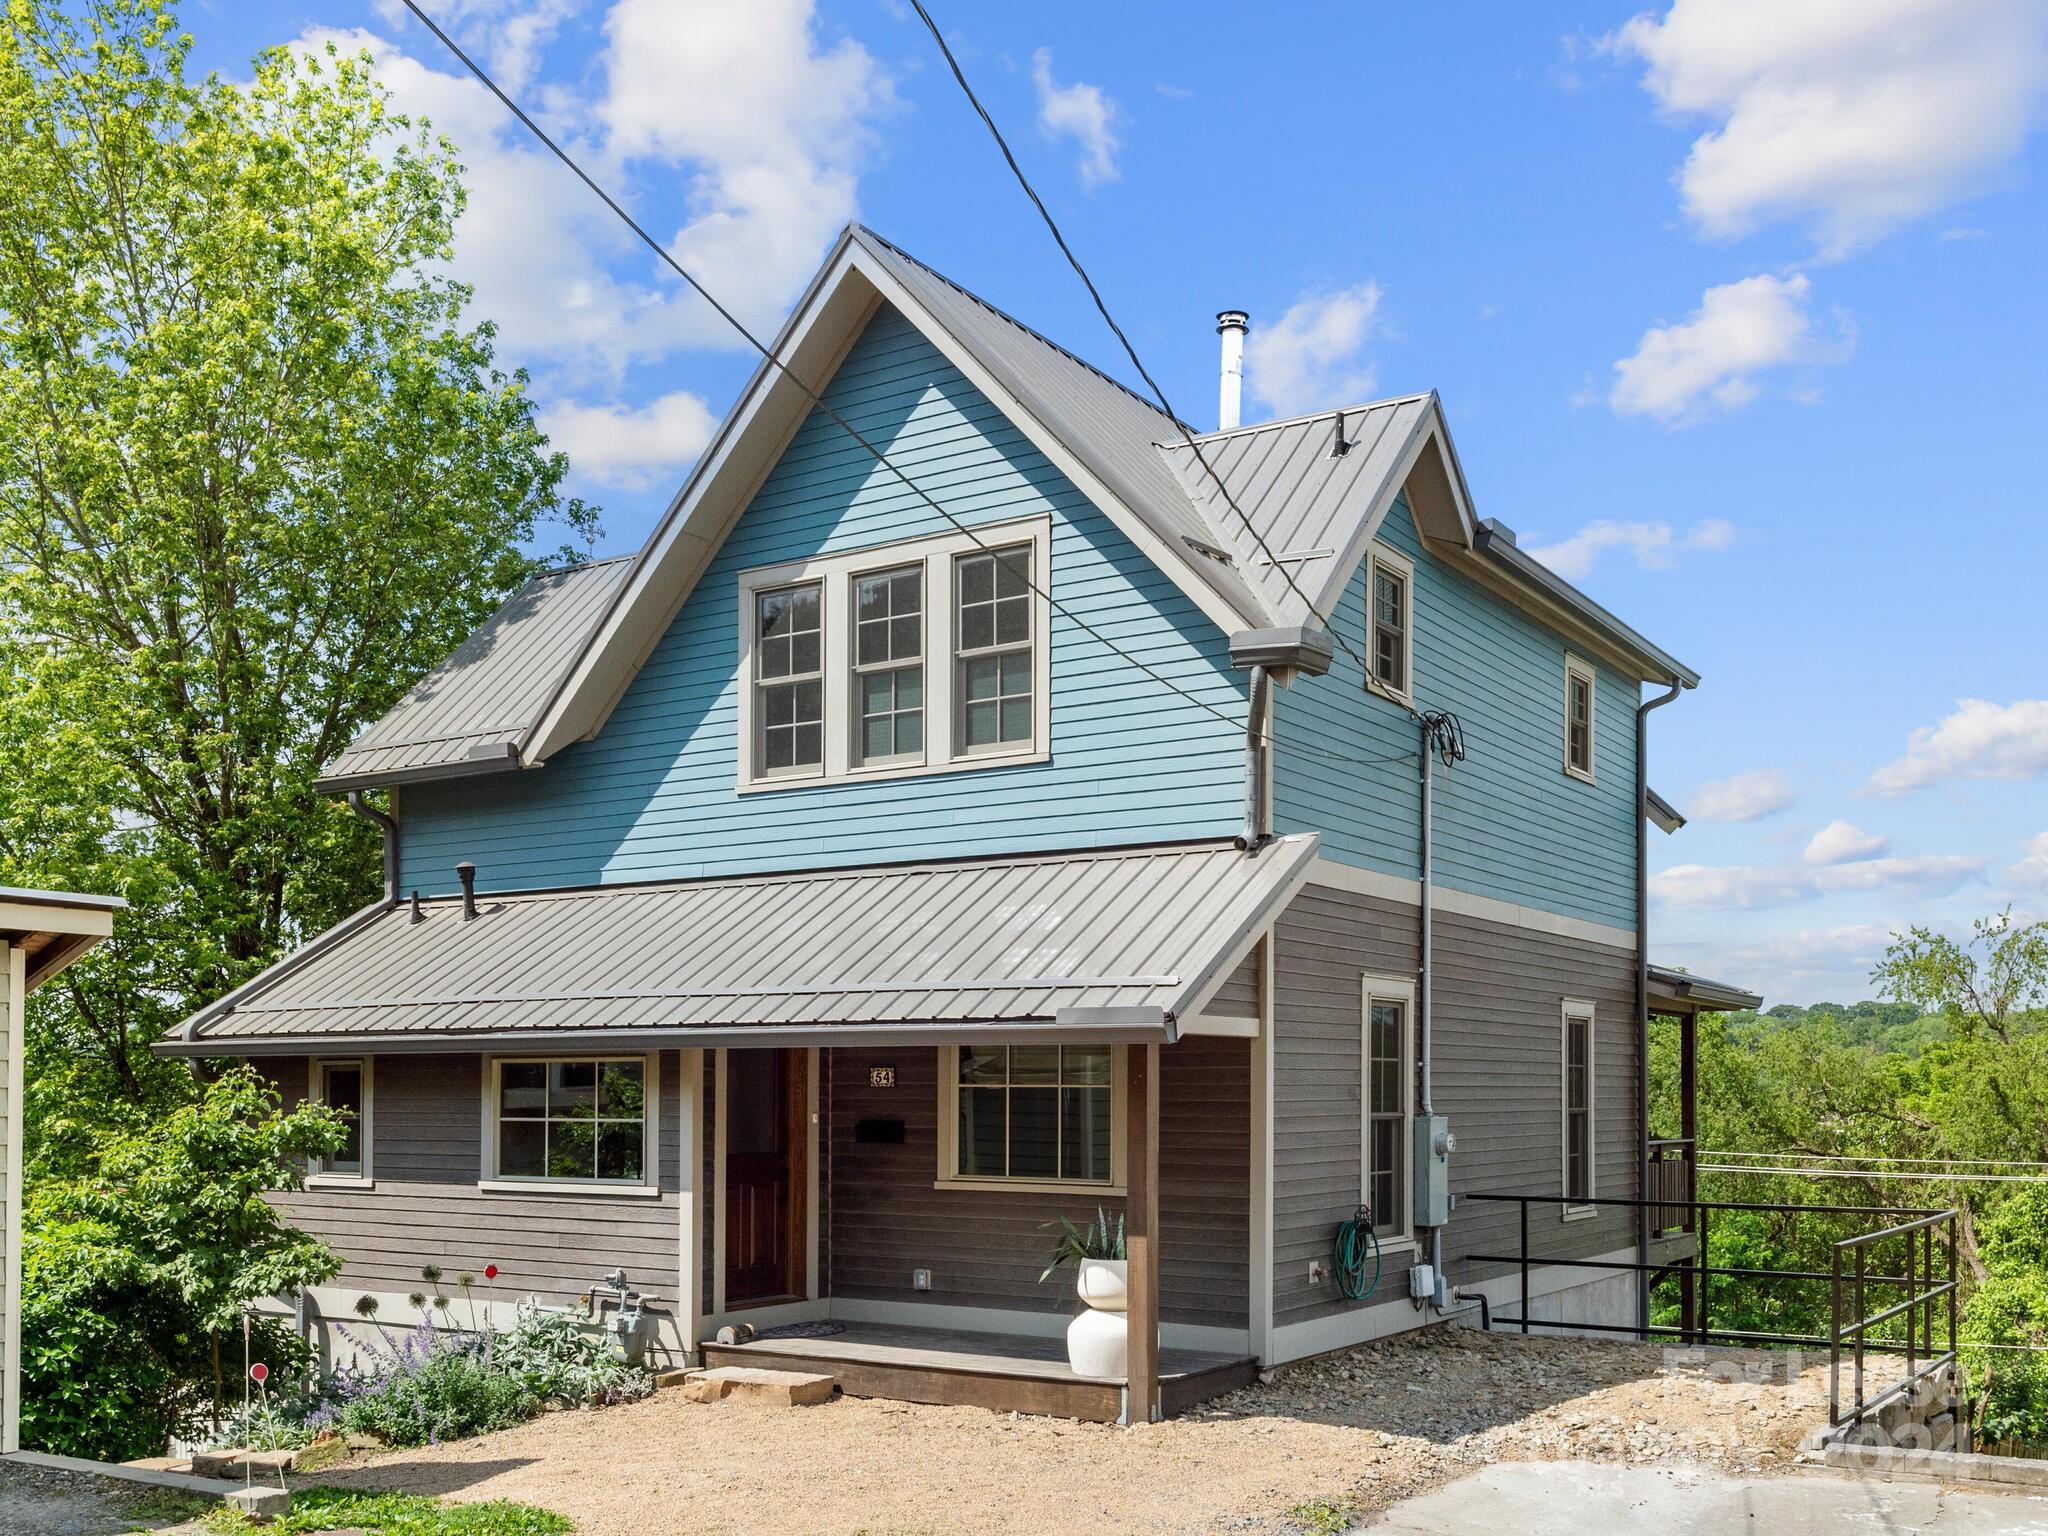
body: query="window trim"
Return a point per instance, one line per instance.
(949, 1138)
(836, 572)
(1401, 566)
(319, 1176)
(649, 1183)
(1578, 668)
(1387, 989)
(1571, 1009)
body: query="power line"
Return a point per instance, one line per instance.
(781, 367)
(1102, 308)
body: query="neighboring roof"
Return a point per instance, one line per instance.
(1121, 944)
(1670, 986)
(53, 928)
(470, 713)
(1497, 542)
(1666, 815)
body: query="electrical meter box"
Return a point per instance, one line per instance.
(1434, 1144)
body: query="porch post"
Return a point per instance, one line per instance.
(1141, 1223)
(690, 1200)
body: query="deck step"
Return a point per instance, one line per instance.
(794, 1389)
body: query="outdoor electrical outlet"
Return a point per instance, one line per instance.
(1317, 1272)
(920, 1279)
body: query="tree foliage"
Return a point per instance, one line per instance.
(135, 1275)
(257, 473)
(1913, 1102)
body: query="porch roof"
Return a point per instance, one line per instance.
(1676, 991)
(1113, 945)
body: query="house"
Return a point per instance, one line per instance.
(41, 932)
(977, 805)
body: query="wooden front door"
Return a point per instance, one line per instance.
(765, 1117)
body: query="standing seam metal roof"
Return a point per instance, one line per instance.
(1002, 940)
(475, 707)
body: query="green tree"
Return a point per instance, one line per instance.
(257, 472)
(135, 1276)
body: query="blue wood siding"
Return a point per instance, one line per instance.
(1510, 823)
(652, 796)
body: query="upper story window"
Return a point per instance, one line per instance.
(344, 1086)
(920, 657)
(1578, 718)
(1390, 622)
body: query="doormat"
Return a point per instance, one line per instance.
(802, 1331)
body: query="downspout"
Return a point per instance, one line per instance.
(1424, 1034)
(1255, 833)
(389, 827)
(1643, 1002)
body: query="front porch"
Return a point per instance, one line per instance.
(1011, 1372)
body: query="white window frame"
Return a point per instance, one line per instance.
(942, 752)
(1399, 565)
(856, 717)
(1583, 671)
(1387, 989)
(319, 1176)
(649, 1184)
(1574, 1009)
(755, 740)
(949, 1138)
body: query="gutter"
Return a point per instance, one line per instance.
(1643, 709)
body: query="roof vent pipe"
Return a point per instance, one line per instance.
(1231, 325)
(466, 873)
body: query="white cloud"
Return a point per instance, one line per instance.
(631, 448)
(509, 34)
(1981, 740)
(1850, 116)
(1839, 842)
(1805, 965)
(1308, 359)
(2033, 869)
(1782, 885)
(1712, 361)
(728, 128)
(1083, 113)
(1745, 797)
(1655, 546)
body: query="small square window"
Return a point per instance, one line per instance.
(1033, 1114)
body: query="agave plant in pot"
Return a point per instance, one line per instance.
(1098, 1339)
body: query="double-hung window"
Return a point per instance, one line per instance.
(888, 665)
(344, 1086)
(1578, 718)
(1390, 622)
(925, 656)
(581, 1120)
(1386, 1096)
(789, 681)
(1028, 1115)
(1577, 1106)
(993, 648)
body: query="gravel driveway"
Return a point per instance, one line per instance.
(1352, 1433)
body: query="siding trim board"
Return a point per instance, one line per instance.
(1371, 882)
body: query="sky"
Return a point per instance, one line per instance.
(1735, 307)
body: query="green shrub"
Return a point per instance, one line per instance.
(429, 1387)
(553, 1355)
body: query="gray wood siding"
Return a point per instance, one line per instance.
(425, 1208)
(1238, 997)
(986, 1248)
(1499, 1077)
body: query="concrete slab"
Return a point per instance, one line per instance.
(1573, 1498)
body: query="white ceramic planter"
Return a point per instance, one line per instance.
(1104, 1284)
(1098, 1341)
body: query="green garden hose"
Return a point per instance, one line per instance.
(1355, 1243)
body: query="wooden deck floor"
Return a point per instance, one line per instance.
(1001, 1371)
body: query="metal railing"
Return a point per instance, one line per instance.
(1697, 1328)
(1928, 1299)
